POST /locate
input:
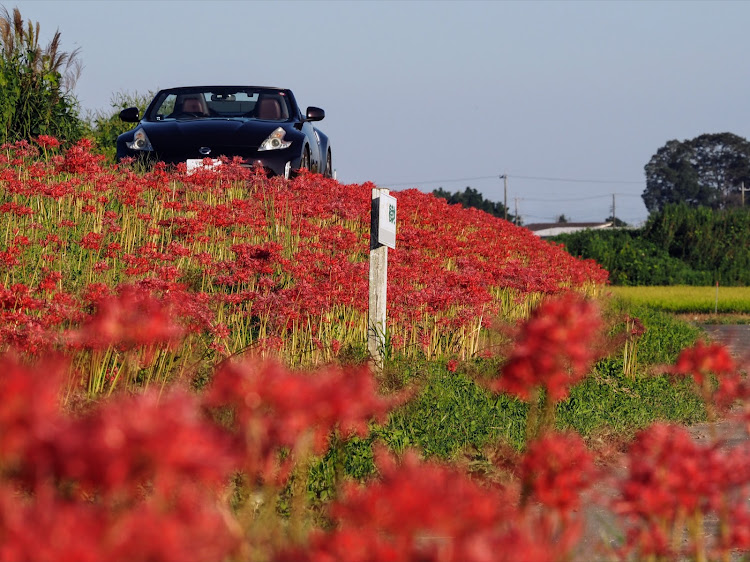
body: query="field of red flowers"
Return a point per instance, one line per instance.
(121, 289)
(242, 263)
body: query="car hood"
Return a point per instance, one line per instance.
(183, 138)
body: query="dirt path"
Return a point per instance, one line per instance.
(736, 337)
(601, 527)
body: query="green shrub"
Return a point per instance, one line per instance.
(106, 126)
(680, 245)
(707, 240)
(36, 84)
(630, 258)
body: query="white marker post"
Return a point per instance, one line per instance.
(382, 237)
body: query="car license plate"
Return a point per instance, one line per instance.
(195, 163)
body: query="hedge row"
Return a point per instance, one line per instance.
(678, 246)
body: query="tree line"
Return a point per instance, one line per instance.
(472, 198)
(679, 245)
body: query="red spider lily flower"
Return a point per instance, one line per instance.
(554, 350)
(136, 479)
(634, 326)
(80, 160)
(92, 241)
(133, 318)
(335, 346)
(739, 537)
(100, 266)
(670, 480)
(50, 280)
(556, 470)
(47, 141)
(29, 407)
(163, 441)
(16, 209)
(112, 249)
(94, 293)
(428, 511)
(667, 472)
(275, 408)
(10, 257)
(702, 359)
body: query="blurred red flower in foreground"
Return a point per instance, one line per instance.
(431, 512)
(276, 408)
(138, 478)
(133, 318)
(675, 484)
(703, 359)
(704, 362)
(554, 349)
(556, 469)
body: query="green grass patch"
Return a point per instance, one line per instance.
(453, 413)
(454, 416)
(665, 335)
(608, 402)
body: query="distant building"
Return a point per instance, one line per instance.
(545, 229)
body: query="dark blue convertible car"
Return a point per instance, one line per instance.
(263, 126)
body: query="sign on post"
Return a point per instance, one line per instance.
(387, 220)
(382, 237)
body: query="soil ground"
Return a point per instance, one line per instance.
(736, 337)
(601, 528)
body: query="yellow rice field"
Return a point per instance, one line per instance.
(687, 299)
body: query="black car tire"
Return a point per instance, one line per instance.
(328, 172)
(304, 163)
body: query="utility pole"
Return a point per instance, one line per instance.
(515, 219)
(743, 190)
(504, 177)
(614, 217)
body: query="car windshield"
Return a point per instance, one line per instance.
(268, 105)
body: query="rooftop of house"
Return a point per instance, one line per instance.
(555, 228)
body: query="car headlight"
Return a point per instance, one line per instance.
(140, 141)
(275, 141)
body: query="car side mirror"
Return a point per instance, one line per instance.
(130, 115)
(315, 114)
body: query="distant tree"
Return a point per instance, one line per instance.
(107, 125)
(705, 171)
(617, 221)
(562, 218)
(472, 198)
(36, 83)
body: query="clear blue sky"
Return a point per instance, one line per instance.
(570, 99)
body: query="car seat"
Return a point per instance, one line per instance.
(268, 108)
(194, 104)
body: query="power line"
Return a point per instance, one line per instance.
(545, 199)
(577, 180)
(512, 176)
(439, 181)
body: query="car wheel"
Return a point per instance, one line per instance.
(304, 164)
(328, 172)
